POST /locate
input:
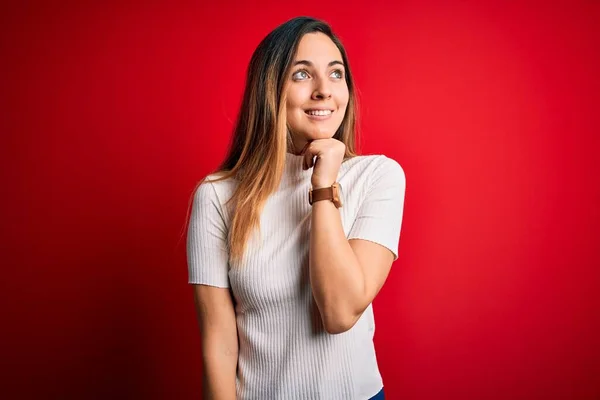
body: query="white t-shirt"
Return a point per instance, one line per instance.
(284, 351)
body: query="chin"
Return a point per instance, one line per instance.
(324, 135)
(320, 134)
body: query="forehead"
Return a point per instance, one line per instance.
(317, 47)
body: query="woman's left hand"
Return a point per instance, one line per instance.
(330, 154)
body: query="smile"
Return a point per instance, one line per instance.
(319, 112)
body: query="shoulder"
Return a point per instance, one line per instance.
(377, 167)
(211, 187)
(210, 197)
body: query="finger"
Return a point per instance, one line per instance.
(309, 159)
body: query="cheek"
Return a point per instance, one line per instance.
(297, 96)
(342, 97)
(294, 111)
(291, 106)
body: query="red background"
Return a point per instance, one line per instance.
(112, 113)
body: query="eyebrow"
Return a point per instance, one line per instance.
(310, 64)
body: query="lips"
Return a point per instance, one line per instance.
(319, 112)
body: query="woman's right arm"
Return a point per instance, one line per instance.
(218, 331)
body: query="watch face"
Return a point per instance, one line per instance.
(338, 195)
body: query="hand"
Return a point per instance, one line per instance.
(330, 154)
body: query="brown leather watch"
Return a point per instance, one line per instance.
(333, 193)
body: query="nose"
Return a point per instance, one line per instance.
(322, 90)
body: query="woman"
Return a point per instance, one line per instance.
(294, 235)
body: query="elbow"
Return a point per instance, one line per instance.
(336, 323)
(335, 329)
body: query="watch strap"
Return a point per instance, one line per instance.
(331, 193)
(325, 193)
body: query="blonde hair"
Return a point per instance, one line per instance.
(261, 138)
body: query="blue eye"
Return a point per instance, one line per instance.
(339, 73)
(302, 74)
(297, 75)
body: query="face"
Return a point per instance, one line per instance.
(317, 94)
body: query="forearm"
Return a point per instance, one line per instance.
(220, 350)
(335, 274)
(218, 377)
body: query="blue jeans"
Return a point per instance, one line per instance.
(378, 396)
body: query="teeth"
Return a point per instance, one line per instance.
(319, 112)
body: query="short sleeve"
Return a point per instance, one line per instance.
(207, 250)
(379, 216)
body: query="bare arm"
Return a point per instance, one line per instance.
(346, 275)
(216, 319)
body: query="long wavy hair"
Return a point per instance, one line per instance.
(261, 138)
